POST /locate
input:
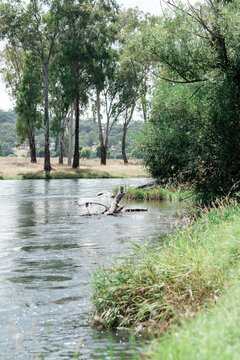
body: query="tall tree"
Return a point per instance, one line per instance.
(29, 103)
(132, 76)
(78, 21)
(197, 48)
(37, 27)
(102, 69)
(22, 75)
(60, 102)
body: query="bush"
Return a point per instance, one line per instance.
(85, 152)
(40, 152)
(194, 140)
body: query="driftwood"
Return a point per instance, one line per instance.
(114, 208)
(135, 209)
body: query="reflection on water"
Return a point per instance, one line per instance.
(47, 252)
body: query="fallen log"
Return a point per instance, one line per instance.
(114, 208)
(114, 205)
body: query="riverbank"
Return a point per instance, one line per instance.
(186, 275)
(157, 193)
(21, 168)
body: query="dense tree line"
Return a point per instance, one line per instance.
(88, 139)
(8, 137)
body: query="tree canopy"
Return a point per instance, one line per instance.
(193, 134)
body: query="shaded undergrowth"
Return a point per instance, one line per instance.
(157, 288)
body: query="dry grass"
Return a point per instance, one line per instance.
(20, 168)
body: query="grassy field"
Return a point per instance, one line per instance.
(21, 168)
(189, 284)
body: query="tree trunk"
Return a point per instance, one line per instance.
(124, 156)
(47, 165)
(76, 149)
(70, 134)
(61, 138)
(103, 154)
(32, 147)
(144, 99)
(103, 147)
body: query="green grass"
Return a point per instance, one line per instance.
(212, 335)
(186, 273)
(155, 193)
(81, 174)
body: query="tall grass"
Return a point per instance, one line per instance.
(212, 335)
(186, 272)
(156, 193)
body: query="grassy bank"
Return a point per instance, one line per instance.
(21, 168)
(212, 335)
(157, 193)
(186, 273)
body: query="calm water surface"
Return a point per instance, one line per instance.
(47, 252)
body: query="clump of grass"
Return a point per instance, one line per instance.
(211, 335)
(81, 174)
(155, 193)
(185, 273)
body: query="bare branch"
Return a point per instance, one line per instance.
(178, 81)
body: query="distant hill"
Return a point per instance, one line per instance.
(88, 137)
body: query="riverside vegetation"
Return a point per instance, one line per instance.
(188, 286)
(161, 288)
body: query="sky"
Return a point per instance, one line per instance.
(152, 6)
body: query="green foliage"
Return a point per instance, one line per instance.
(8, 136)
(193, 135)
(85, 152)
(29, 97)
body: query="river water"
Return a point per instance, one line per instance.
(47, 253)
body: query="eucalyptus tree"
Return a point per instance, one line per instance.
(22, 75)
(60, 102)
(132, 75)
(74, 77)
(107, 107)
(29, 102)
(36, 26)
(102, 67)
